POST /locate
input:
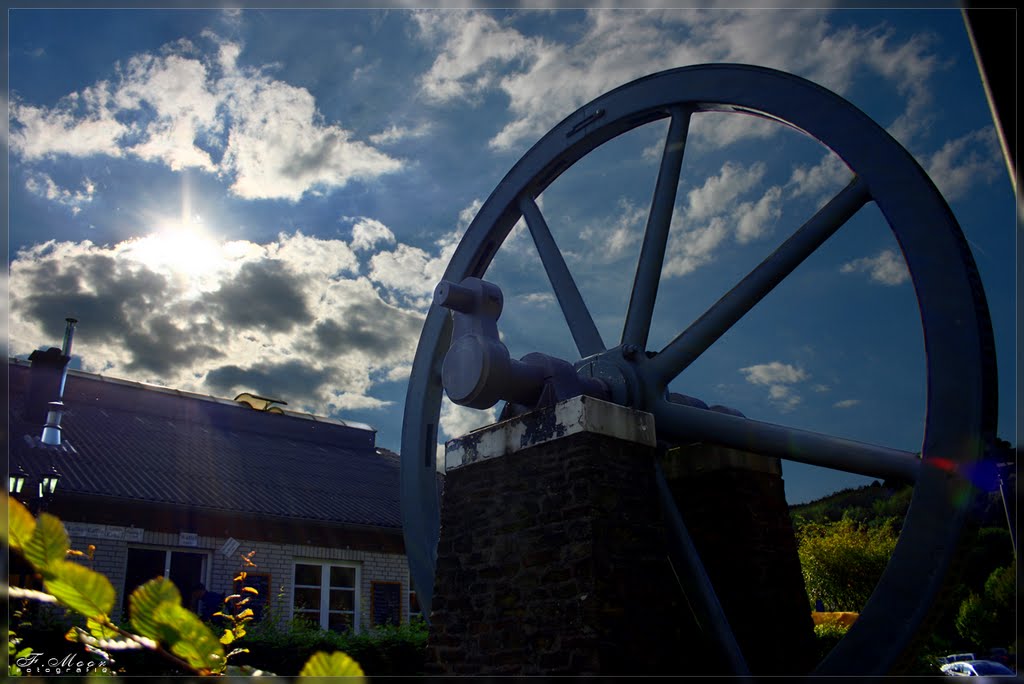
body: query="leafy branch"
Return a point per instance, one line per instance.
(158, 621)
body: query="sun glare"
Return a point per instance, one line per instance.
(184, 250)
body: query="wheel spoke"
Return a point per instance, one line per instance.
(687, 424)
(695, 581)
(652, 252)
(702, 333)
(581, 324)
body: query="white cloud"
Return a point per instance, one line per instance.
(773, 373)
(456, 421)
(393, 134)
(719, 192)
(846, 403)
(967, 161)
(82, 124)
(475, 45)
(545, 80)
(179, 90)
(277, 148)
(821, 181)
(399, 373)
(196, 110)
(367, 232)
(715, 212)
(784, 397)
(886, 268)
(43, 185)
(690, 249)
(779, 378)
(349, 401)
(757, 218)
(412, 272)
(537, 299)
(610, 239)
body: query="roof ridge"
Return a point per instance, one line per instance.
(195, 396)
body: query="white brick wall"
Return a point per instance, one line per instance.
(277, 560)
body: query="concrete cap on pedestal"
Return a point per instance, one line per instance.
(579, 414)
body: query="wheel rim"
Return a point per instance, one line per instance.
(961, 384)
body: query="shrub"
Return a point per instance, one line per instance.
(384, 651)
(827, 635)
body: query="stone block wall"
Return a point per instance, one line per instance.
(551, 562)
(739, 521)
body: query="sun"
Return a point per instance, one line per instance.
(182, 249)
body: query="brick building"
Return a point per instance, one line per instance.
(165, 482)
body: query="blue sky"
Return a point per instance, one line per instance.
(263, 200)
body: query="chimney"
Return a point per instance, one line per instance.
(46, 388)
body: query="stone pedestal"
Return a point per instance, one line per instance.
(551, 558)
(734, 507)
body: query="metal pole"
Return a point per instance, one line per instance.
(65, 350)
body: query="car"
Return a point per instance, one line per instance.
(954, 657)
(975, 668)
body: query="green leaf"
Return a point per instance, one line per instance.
(80, 588)
(20, 524)
(335, 664)
(193, 641)
(101, 630)
(48, 545)
(144, 602)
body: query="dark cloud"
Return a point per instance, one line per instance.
(264, 294)
(165, 346)
(105, 297)
(303, 165)
(255, 332)
(372, 326)
(295, 381)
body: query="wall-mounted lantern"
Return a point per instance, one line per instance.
(44, 490)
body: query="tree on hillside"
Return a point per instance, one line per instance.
(842, 561)
(988, 619)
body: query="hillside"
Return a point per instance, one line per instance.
(878, 501)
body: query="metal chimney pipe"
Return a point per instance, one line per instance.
(51, 431)
(65, 350)
(55, 409)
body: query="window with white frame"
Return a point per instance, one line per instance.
(327, 594)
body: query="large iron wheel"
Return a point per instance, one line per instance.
(961, 379)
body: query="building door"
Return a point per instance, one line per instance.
(186, 569)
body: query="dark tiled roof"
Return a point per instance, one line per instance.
(143, 443)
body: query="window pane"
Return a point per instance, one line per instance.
(307, 574)
(310, 616)
(343, 599)
(143, 565)
(339, 622)
(343, 577)
(307, 598)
